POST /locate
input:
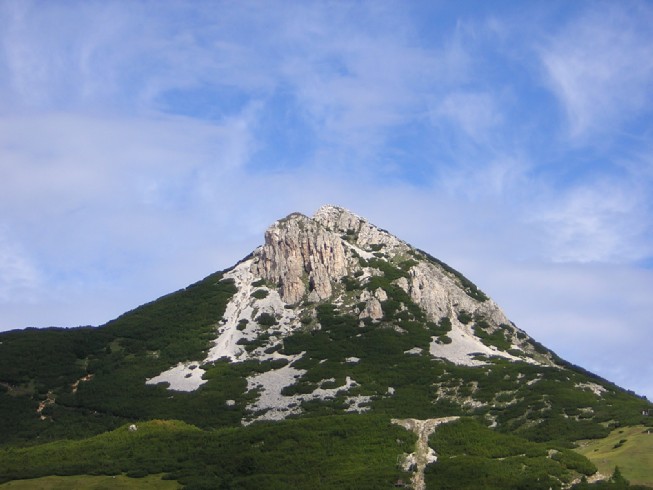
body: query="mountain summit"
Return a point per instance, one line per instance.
(377, 362)
(339, 258)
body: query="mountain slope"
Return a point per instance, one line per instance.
(330, 316)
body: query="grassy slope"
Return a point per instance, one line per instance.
(634, 457)
(540, 404)
(352, 451)
(331, 452)
(118, 357)
(87, 482)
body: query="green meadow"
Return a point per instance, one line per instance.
(88, 482)
(630, 448)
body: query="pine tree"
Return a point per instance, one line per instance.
(618, 479)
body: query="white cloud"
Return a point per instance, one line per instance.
(355, 71)
(599, 221)
(483, 176)
(19, 276)
(355, 85)
(476, 113)
(600, 66)
(65, 158)
(99, 201)
(122, 60)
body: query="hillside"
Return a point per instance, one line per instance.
(630, 448)
(287, 370)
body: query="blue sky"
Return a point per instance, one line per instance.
(144, 145)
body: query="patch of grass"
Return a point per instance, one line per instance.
(350, 283)
(390, 272)
(89, 482)
(633, 456)
(496, 338)
(406, 265)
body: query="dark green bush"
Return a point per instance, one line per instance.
(260, 294)
(266, 320)
(464, 317)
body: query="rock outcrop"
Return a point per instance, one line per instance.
(301, 256)
(304, 256)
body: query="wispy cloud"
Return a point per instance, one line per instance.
(600, 67)
(603, 217)
(19, 277)
(477, 114)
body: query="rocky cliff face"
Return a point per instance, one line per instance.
(307, 257)
(301, 256)
(364, 274)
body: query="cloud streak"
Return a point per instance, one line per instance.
(601, 69)
(18, 276)
(599, 221)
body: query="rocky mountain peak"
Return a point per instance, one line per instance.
(303, 255)
(336, 268)
(338, 219)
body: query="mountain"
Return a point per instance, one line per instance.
(334, 355)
